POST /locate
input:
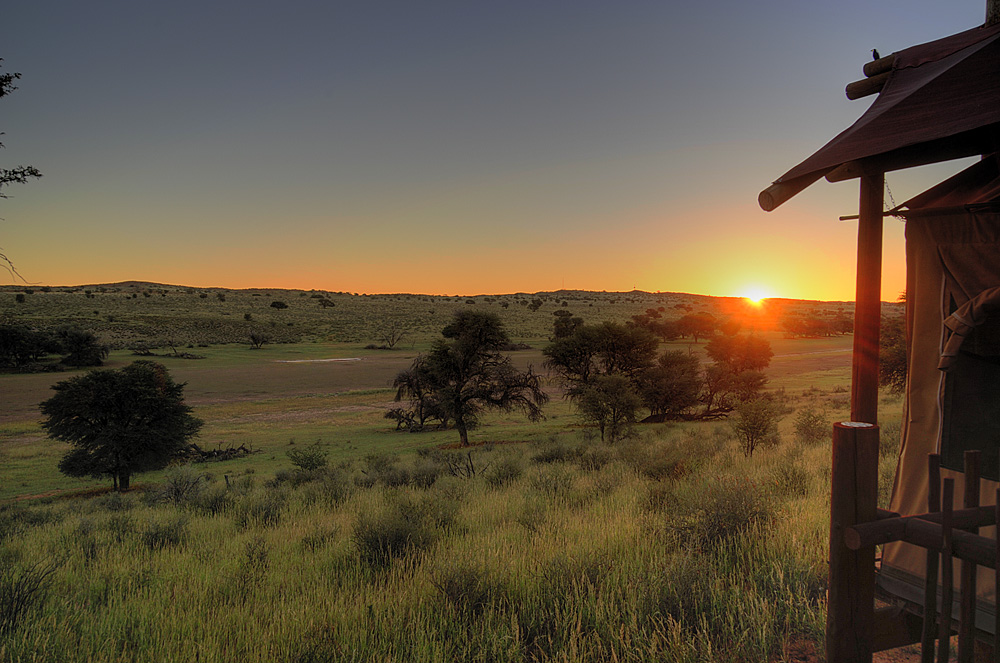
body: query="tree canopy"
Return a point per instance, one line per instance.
(119, 421)
(466, 373)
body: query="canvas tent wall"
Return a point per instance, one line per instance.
(952, 401)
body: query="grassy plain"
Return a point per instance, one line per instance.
(669, 546)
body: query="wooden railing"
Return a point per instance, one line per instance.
(946, 534)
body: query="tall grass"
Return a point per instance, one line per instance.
(670, 547)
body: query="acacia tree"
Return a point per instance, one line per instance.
(17, 174)
(610, 402)
(466, 373)
(672, 386)
(119, 422)
(737, 376)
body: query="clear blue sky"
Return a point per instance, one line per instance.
(443, 147)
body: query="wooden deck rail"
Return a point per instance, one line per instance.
(946, 533)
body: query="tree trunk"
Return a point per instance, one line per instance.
(463, 432)
(123, 482)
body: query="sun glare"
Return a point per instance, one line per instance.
(755, 296)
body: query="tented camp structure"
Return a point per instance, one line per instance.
(937, 101)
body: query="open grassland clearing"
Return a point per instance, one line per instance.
(668, 546)
(541, 543)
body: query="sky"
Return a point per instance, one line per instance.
(463, 147)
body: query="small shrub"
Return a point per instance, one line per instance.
(756, 424)
(159, 535)
(16, 518)
(311, 457)
(181, 484)
(383, 537)
(811, 427)
(319, 538)
(554, 483)
(707, 512)
(467, 589)
(554, 452)
(594, 457)
(255, 561)
(22, 591)
(791, 479)
(504, 471)
(425, 473)
(531, 515)
(889, 438)
(213, 500)
(262, 508)
(279, 305)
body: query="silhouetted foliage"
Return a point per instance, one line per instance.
(672, 386)
(565, 324)
(892, 355)
(80, 347)
(391, 332)
(604, 349)
(119, 422)
(696, 325)
(21, 348)
(17, 174)
(257, 339)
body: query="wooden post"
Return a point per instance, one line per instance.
(933, 557)
(967, 618)
(947, 590)
(853, 500)
(868, 302)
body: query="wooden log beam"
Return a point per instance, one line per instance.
(888, 530)
(866, 86)
(853, 499)
(970, 143)
(770, 198)
(880, 66)
(868, 303)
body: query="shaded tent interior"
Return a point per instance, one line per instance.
(939, 102)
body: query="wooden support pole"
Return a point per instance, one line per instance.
(967, 610)
(853, 499)
(996, 586)
(868, 302)
(933, 556)
(944, 628)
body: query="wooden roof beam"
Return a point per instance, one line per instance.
(973, 143)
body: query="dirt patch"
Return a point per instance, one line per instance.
(314, 361)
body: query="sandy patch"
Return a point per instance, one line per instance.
(314, 361)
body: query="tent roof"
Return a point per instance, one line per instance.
(936, 91)
(977, 185)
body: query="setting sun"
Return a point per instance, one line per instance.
(755, 295)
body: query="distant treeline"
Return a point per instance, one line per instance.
(23, 349)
